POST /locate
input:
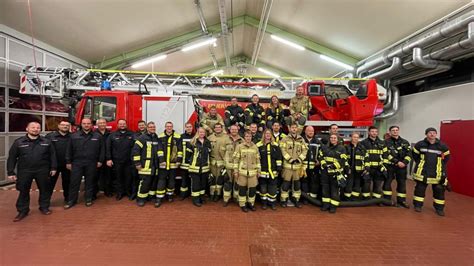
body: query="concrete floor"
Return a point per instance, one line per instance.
(120, 233)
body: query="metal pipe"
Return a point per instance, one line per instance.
(395, 104)
(430, 26)
(197, 3)
(450, 28)
(419, 61)
(395, 68)
(419, 75)
(225, 31)
(262, 27)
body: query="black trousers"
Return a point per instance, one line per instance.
(80, 169)
(144, 186)
(122, 178)
(295, 186)
(166, 182)
(103, 180)
(216, 183)
(373, 184)
(23, 185)
(438, 195)
(198, 184)
(330, 190)
(135, 181)
(353, 187)
(184, 183)
(65, 180)
(311, 184)
(268, 189)
(400, 175)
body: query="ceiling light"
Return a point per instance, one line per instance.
(148, 61)
(217, 72)
(292, 44)
(334, 61)
(268, 72)
(198, 44)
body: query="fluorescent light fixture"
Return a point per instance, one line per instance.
(198, 44)
(217, 72)
(268, 72)
(334, 61)
(292, 44)
(148, 61)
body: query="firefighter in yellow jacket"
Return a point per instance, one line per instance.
(217, 139)
(293, 149)
(210, 119)
(232, 141)
(170, 156)
(300, 105)
(247, 169)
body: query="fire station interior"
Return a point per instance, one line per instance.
(406, 64)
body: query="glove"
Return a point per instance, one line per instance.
(223, 172)
(341, 180)
(366, 175)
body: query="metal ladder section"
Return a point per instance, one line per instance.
(56, 82)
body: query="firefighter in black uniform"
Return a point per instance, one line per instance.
(254, 113)
(103, 180)
(276, 132)
(185, 139)
(234, 115)
(198, 152)
(271, 165)
(311, 184)
(170, 156)
(135, 179)
(376, 162)
(333, 129)
(334, 170)
(60, 140)
(356, 156)
(36, 159)
(399, 156)
(274, 112)
(144, 158)
(118, 155)
(256, 135)
(431, 157)
(85, 153)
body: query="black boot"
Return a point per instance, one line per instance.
(264, 204)
(157, 203)
(332, 209)
(140, 202)
(417, 208)
(170, 198)
(403, 204)
(325, 207)
(197, 202)
(244, 209)
(283, 204)
(439, 212)
(216, 198)
(273, 206)
(182, 195)
(251, 207)
(203, 199)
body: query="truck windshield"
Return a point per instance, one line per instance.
(101, 107)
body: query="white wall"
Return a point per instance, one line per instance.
(427, 109)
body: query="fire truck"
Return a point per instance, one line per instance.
(182, 98)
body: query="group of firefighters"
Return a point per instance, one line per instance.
(236, 157)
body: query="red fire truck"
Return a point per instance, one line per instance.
(181, 98)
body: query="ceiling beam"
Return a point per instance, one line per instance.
(245, 60)
(126, 58)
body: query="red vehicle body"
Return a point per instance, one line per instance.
(331, 103)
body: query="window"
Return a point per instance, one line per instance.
(24, 101)
(335, 92)
(101, 107)
(314, 90)
(55, 105)
(18, 122)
